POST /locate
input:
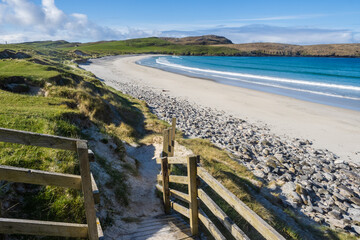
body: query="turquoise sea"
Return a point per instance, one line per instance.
(330, 81)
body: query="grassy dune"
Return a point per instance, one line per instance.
(26, 69)
(69, 100)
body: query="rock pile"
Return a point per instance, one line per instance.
(315, 182)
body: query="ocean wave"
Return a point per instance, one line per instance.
(293, 89)
(165, 62)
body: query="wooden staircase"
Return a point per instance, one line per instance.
(163, 227)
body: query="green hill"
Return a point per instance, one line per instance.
(151, 45)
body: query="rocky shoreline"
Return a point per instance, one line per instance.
(315, 182)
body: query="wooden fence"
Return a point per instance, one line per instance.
(85, 182)
(194, 173)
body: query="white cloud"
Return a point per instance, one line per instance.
(26, 21)
(22, 12)
(23, 20)
(53, 15)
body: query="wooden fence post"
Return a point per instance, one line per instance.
(82, 151)
(165, 184)
(193, 206)
(165, 152)
(172, 138)
(165, 172)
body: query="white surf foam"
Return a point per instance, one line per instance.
(165, 62)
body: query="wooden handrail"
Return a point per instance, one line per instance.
(223, 218)
(249, 215)
(180, 195)
(210, 226)
(43, 228)
(175, 179)
(37, 139)
(181, 209)
(95, 190)
(24, 175)
(174, 160)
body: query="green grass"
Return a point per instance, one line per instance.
(26, 69)
(42, 115)
(74, 99)
(149, 45)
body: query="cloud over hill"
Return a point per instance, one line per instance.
(24, 20)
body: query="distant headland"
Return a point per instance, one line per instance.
(207, 45)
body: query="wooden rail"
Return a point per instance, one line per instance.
(43, 228)
(194, 212)
(37, 139)
(24, 175)
(85, 182)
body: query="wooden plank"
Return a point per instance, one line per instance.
(175, 179)
(174, 160)
(179, 179)
(249, 215)
(165, 184)
(91, 155)
(159, 187)
(24, 175)
(193, 205)
(214, 231)
(95, 190)
(99, 229)
(180, 209)
(169, 142)
(180, 195)
(223, 218)
(165, 152)
(87, 189)
(37, 139)
(42, 228)
(172, 137)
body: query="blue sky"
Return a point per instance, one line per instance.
(295, 22)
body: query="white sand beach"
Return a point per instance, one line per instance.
(335, 129)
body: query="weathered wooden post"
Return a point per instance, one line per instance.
(82, 151)
(193, 197)
(172, 138)
(165, 172)
(165, 151)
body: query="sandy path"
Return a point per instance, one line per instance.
(143, 217)
(335, 129)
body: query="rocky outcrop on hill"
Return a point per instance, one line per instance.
(12, 54)
(199, 40)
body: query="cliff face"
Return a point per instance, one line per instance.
(199, 40)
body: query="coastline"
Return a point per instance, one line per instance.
(332, 128)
